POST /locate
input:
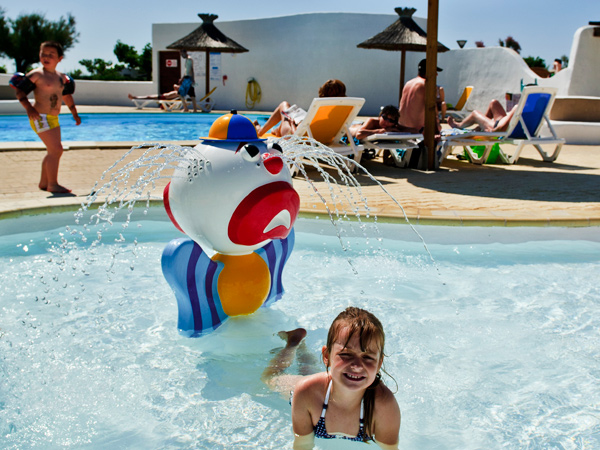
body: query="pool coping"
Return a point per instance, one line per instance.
(424, 218)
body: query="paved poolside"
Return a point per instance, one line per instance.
(531, 192)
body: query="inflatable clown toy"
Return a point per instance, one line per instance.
(234, 199)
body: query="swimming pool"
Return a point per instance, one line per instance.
(143, 127)
(493, 345)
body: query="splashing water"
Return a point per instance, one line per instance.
(126, 183)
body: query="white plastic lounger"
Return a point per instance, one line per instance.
(523, 129)
(328, 119)
(394, 146)
(461, 110)
(204, 103)
(141, 103)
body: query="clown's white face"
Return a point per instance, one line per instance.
(235, 199)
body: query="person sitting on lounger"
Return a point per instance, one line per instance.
(495, 118)
(287, 123)
(171, 95)
(387, 122)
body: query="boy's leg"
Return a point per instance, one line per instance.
(54, 148)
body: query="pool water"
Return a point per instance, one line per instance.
(119, 127)
(493, 344)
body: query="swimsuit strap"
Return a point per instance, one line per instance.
(326, 403)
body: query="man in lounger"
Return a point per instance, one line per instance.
(412, 103)
(495, 119)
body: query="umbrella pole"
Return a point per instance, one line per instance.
(207, 87)
(430, 83)
(402, 65)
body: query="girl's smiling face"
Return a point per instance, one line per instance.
(352, 366)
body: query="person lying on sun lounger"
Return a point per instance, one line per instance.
(288, 122)
(387, 122)
(495, 118)
(171, 95)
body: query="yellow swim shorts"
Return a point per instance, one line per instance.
(44, 123)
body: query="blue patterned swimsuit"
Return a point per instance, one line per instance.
(321, 431)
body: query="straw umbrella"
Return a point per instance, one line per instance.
(207, 38)
(403, 35)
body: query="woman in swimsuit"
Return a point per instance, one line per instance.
(349, 400)
(495, 119)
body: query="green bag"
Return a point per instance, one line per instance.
(479, 149)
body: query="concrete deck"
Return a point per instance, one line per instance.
(531, 192)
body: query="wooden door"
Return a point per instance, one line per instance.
(169, 71)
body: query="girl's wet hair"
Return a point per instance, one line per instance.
(356, 320)
(370, 333)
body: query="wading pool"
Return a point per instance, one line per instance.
(493, 344)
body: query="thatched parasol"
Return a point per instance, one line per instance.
(403, 35)
(207, 38)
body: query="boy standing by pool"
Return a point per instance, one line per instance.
(50, 89)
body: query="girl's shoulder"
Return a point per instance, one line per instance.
(384, 397)
(311, 389)
(386, 405)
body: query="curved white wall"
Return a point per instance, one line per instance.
(291, 56)
(585, 63)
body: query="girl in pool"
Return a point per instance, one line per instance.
(348, 400)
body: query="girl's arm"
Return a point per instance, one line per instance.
(387, 419)
(306, 393)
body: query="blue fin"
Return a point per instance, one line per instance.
(276, 254)
(193, 277)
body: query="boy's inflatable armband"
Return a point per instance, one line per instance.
(21, 82)
(69, 86)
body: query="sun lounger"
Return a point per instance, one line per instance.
(141, 103)
(461, 109)
(328, 120)
(204, 103)
(524, 128)
(396, 147)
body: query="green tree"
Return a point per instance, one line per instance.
(134, 66)
(100, 69)
(21, 38)
(535, 61)
(510, 43)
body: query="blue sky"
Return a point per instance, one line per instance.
(543, 28)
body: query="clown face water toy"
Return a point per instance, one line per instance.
(234, 199)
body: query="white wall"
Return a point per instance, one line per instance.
(89, 92)
(291, 56)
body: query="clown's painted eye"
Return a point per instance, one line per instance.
(275, 146)
(250, 152)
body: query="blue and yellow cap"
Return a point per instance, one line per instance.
(232, 127)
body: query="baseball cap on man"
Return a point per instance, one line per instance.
(423, 66)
